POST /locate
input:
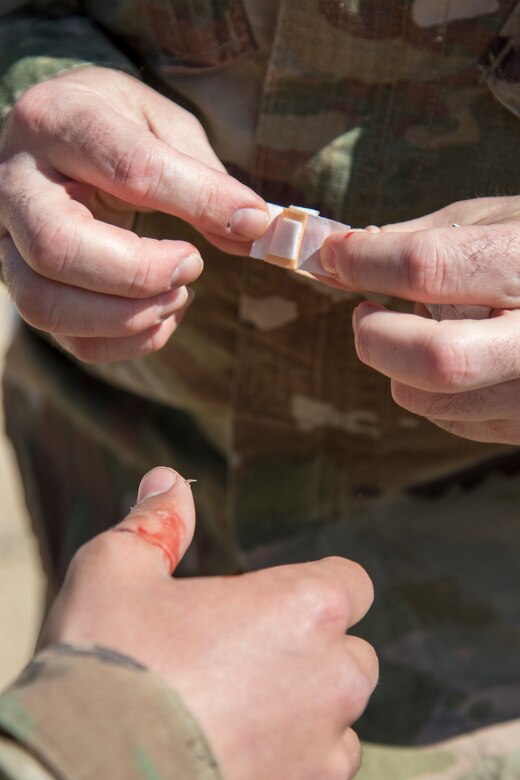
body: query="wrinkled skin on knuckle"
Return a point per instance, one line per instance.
(39, 309)
(144, 282)
(424, 265)
(446, 363)
(139, 172)
(51, 249)
(206, 198)
(31, 110)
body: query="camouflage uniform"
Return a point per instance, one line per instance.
(371, 111)
(56, 716)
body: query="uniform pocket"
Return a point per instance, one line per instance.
(187, 35)
(501, 63)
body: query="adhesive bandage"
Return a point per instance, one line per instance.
(294, 237)
(293, 240)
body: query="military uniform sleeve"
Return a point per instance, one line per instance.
(35, 47)
(87, 712)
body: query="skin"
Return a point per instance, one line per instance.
(463, 375)
(262, 660)
(79, 155)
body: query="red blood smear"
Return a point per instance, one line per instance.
(166, 536)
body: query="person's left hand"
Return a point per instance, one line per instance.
(463, 375)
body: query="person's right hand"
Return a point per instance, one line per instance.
(261, 659)
(79, 154)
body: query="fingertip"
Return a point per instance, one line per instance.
(164, 516)
(364, 309)
(248, 223)
(158, 480)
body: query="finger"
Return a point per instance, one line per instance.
(469, 265)
(162, 523)
(228, 244)
(476, 211)
(60, 309)
(352, 749)
(185, 133)
(60, 240)
(342, 760)
(110, 350)
(492, 431)
(356, 674)
(354, 582)
(125, 159)
(365, 658)
(501, 401)
(442, 357)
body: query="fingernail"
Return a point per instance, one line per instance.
(248, 223)
(328, 259)
(190, 267)
(155, 482)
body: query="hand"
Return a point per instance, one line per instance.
(261, 660)
(462, 375)
(79, 154)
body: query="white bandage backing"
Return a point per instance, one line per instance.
(294, 237)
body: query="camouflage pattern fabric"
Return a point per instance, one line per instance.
(371, 111)
(78, 713)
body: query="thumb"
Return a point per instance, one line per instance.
(164, 516)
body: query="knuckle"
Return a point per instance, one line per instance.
(38, 308)
(424, 266)
(447, 364)
(138, 172)
(50, 249)
(326, 600)
(206, 200)
(332, 606)
(143, 282)
(32, 108)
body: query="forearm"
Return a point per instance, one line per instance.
(90, 713)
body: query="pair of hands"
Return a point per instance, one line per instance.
(80, 153)
(262, 660)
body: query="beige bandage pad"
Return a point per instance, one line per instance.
(294, 237)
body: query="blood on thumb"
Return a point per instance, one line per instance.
(164, 516)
